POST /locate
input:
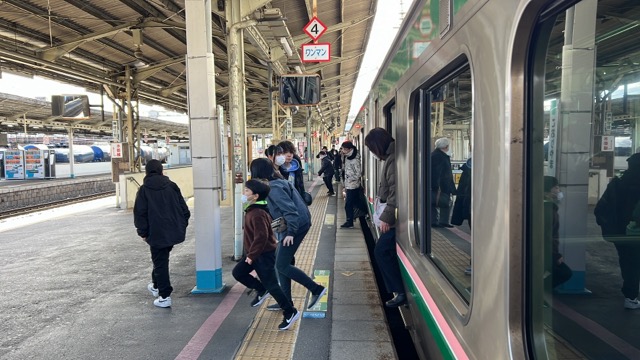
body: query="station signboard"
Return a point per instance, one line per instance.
(320, 52)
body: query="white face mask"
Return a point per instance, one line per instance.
(280, 160)
(559, 196)
(244, 199)
(449, 152)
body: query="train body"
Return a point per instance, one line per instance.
(500, 79)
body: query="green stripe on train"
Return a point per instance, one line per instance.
(446, 351)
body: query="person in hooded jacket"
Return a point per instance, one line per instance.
(383, 147)
(560, 271)
(286, 203)
(291, 170)
(352, 181)
(462, 205)
(161, 217)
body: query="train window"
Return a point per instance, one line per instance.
(583, 253)
(445, 132)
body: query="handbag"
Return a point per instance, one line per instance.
(379, 209)
(279, 225)
(440, 199)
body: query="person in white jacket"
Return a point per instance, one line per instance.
(352, 180)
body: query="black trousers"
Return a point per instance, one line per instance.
(160, 273)
(629, 259)
(337, 174)
(387, 261)
(328, 181)
(350, 203)
(265, 267)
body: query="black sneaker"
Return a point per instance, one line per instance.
(314, 298)
(289, 320)
(260, 298)
(347, 225)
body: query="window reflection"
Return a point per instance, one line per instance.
(449, 176)
(584, 130)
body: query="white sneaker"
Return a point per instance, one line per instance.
(631, 304)
(152, 290)
(162, 302)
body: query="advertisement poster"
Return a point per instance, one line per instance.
(33, 164)
(13, 165)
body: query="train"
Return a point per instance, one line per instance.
(100, 153)
(502, 80)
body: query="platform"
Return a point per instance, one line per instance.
(74, 287)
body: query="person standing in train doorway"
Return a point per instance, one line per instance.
(352, 175)
(161, 217)
(442, 185)
(383, 147)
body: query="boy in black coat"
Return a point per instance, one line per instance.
(326, 171)
(161, 216)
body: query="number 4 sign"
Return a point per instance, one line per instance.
(315, 28)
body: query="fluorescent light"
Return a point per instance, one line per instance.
(286, 46)
(298, 69)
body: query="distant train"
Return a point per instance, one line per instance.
(500, 78)
(100, 153)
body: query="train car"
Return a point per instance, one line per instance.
(530, 277)
(81, 154)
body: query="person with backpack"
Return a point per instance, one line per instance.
(614, 212)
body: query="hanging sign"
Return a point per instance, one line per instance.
(314, 28)
(320, 52)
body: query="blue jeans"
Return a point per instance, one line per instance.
(288, 272)
(387, 261)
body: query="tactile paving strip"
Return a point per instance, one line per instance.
(264, 340)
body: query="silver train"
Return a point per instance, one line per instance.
(500, 79)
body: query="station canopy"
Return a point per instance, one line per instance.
(91, 43)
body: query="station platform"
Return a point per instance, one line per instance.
(74, 287)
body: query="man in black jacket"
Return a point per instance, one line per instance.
(160, 216)
(442, 185)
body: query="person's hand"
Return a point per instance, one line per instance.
(384, 227)
(288, 240)
(560, 260)
(248, 261)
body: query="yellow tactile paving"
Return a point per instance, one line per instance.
(263, 340)
(448, 253)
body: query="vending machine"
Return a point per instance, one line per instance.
(39, 164)
(14, 164)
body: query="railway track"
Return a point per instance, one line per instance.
(52, 205)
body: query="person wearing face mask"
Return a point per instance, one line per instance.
(352, 181)
(326, 171)
(275, 154)
(260, 247)
(442, 185)
(286, 203)
(291, 170)
(560, 271)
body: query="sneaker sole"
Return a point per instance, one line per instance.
(274, 308)
(293, 321)
(261, 300)
(324, 291)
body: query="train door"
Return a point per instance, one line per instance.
(583, 264)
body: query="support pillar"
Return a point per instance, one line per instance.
(205, 147)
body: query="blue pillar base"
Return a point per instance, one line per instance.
(209, 282)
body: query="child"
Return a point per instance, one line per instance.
(260, 248)
(326, 171)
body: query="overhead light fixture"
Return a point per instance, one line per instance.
(298, 69)
(286, 46)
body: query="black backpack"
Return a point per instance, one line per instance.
(609, 211)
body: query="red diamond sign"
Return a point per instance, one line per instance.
(315, 28)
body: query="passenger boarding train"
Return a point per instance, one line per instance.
(500, 79)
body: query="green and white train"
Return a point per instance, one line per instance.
(531, 88)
